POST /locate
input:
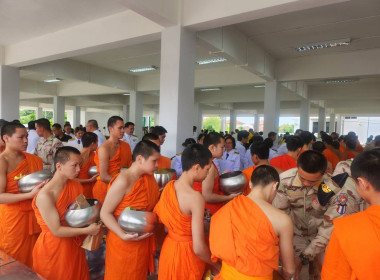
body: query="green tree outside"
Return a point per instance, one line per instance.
(212, 123)
(286, 128)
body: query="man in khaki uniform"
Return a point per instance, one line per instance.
(313, 200)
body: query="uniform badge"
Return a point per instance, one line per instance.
(236, 153)
(342, 200)
(134, 140)
(291, 188)
(325, 188)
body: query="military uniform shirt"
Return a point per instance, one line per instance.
(131, 140)
(230, 161)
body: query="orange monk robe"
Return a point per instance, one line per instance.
(248, 174)
(56, 257)
(331, 157)
(359, 148)
(353, 251)
(177, 259)
(130, 260)
(348, 153)
(83, 174)
(213, 207)
(122, 158)
(242, 236)
(164, 162)
(283, 162)
(18, 225)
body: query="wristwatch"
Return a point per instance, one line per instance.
(304, 259)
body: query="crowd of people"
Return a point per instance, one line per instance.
(308, 201)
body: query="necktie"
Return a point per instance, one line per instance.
(227, 156)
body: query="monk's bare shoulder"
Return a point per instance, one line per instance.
(45, 195)
(3, 162)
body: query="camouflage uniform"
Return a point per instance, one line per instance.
(312, 210)
(46, 149)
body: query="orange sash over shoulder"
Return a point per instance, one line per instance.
(213, 207)
(83, 174)
(18, 225)
(331, 157)
(122, 158)
(130, 260)
(164, 162)
(242, 236)
(354, 248)
(248, 174)
(55, 257)
(283, 162)
(177, 259)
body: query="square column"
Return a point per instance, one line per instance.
(59, 110)
(177, 87)
(256, 123)
(321, 119)
(39, 113)
(271, 106)
(232, 120)
(339, 124)
(136, 112)
(222, 123)
(332, 123)
(9, 93)
(76, 117)
(305, 114)
(198, 119)
(125, 115)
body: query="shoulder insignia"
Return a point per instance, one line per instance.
(324, 194)
(342, 200)
(178, 154)
(291, 188)
(236, 153)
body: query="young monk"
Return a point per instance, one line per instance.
(163, 162)
(209, 187)
(248, 233)
(87, 154)
(181, 210)
(129, 255)
(112, 155)
(260, 154)
(57, 253)
(294, 145)
(354, 248)
(18, 226)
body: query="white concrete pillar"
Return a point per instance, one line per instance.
(177, 87)
(232, 120)
(222, 123)
(321, 119)
(39, 113)
(271, 106)
(136, 112)
(256, 123)
(9, 93)
(76, 117)
(198, 118)
(305, 114)
(125, 115)
(332, 123)
(339, 124)
(59, 110)
(156, 118)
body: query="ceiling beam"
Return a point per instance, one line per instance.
(357, 90)
(35, 87)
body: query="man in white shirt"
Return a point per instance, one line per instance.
(32, 137)
(67, 129)
(92, 126)
(242, 138)
(128, 137)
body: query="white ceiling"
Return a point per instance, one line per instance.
(356, 19)
(24, 19)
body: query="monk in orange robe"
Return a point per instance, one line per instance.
(248, 233)
(289, 160)
(353, 251)
(112, 155)
(90, 143)
(260, 154)
(181, 209)
(18, 226)
(129, 255)
(57, 253)
(209, 187)
(164, 162)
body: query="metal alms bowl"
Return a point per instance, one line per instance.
(83, 217)
(232, 182)
(164, 176)
(137, 221)
(29, 182)
(92, 171)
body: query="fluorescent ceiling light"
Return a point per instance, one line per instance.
(259, 86)
(210, 89)
(342, 81)
(126, 94)
(53, 80)
(323, 45)
(143, 69)
(211, 60)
